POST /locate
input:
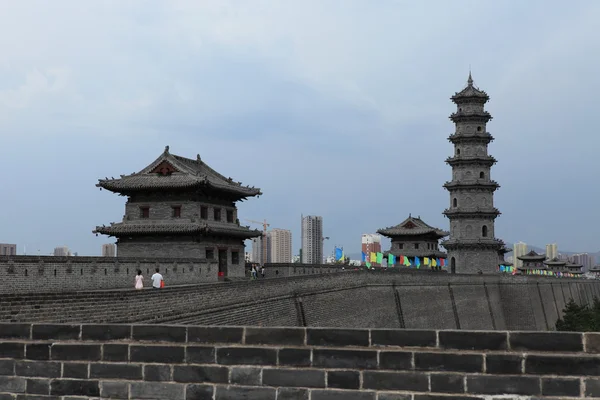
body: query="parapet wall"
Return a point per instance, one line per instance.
(36, 274)
(224, 363)
(352, 299)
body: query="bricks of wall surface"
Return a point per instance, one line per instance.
(195, 362)
(347, 299)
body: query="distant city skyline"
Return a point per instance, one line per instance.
(330, 121)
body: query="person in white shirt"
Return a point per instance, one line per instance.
(156, 280)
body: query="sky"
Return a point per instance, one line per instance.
(337, 108)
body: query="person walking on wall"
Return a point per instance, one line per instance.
(139, 280)
(262, 271)
(253, 272)
(157, 280)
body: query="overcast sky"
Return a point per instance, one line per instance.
(332, 108)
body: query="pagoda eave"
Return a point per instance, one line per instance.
(472, 213)
(124, 190)
(466, 185)
(487, 161)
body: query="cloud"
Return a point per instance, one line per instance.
(337, 108)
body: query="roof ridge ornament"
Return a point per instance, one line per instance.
(166, 149)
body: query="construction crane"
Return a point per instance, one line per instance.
(264, 238)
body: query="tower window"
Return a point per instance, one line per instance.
(203, 212)
(145, 212)
(484, 231)
(400, 246)
(478, 129)
(454, 202)
(229, 215)
(481, 175)
(416, 246)
(217, 214)
(177, 212)
(458, 152)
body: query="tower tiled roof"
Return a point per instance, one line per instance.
(412, 226)
(532, 256)
(555, 262)
(186, 227)
(471, 91)
(170, 171)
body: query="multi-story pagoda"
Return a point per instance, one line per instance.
(414, 238)
(574, 268)
(181, 208)
(472, 246)
(532, 261)
(555, 265)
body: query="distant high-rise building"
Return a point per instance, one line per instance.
(312, 239)
(584, 259)
(370, 243)
(519, 249)
(109, 250)
(256, 255)
(62, 251)
(280, 241)
(7, 249)
(551, 251)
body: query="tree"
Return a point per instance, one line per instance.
(578, 318)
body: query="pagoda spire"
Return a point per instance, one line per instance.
(470, 80)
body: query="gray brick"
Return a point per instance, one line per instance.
(284, 336)
(159, 333)
(408, 381)
(114, 390)
(341, 395)
(292, 394)
(195, 374)
(12, 384)
(199, 392)
(38, 386)
(7, 367)
(55, 332)
(294, 378)
(105, 332)
(67, 387)
(238, 393)
(503, 384)
(156, 390)
(337, 337)
(116, 371)
(245, 376)
(159, 373)
(246, 356)
(364, 359)
(72, 352)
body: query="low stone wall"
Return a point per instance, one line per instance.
(225, 363)
(40, 274)
(358, 299)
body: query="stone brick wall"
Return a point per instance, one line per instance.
(69, 362)
(38, 274)
(41, 274)
(358, 299)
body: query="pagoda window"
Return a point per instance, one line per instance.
(235, 257)
(484, 231)
(482, 175)
(177, 212)
(217, 214)
(210, 254)
(145, 212)
(454, 202)
(400, 246)
(478, 129)
(416, 246)
(203, 212)
(458, 152)
(230, 216)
